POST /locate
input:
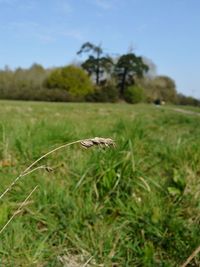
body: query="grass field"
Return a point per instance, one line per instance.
(134, 205)
(195, 109)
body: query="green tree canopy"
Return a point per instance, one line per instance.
(96, 64)
(128, 67)
(72, 79)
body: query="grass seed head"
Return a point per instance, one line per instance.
(98, 141)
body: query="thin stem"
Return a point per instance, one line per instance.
(86, 263)
(19, 209)
(11, 185)
(50, 152)
(17, 178)
(27, 170)
(191, 257)
(37, 168)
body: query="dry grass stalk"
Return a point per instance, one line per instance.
(86, 143)
(19, 209)
(97, 141)
(191, 257)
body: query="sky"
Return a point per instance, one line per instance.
(50, 32)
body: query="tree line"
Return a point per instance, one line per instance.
(98, 78)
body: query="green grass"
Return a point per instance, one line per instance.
(187, 108)
(135, 205)
(196, 109)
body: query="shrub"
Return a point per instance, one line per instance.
(105, 92)
(187, 100)
(134, 94)
(72, 79)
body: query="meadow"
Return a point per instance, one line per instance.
(137, 204)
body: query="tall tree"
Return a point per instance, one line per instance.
(128, 67)
(97, 63)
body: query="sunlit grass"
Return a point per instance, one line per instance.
(135, 205)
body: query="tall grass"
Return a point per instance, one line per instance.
(136, 205)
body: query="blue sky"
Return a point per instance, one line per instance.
(50, 32)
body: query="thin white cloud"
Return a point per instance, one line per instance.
(8, 2)
(19, 26)
(43, 33)
(67, 8)
(75, 34)
(45, 39)
(28, 4)
(142, 28)
(64, 6)
(104, 4)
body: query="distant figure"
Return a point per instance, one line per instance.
(159, 102)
